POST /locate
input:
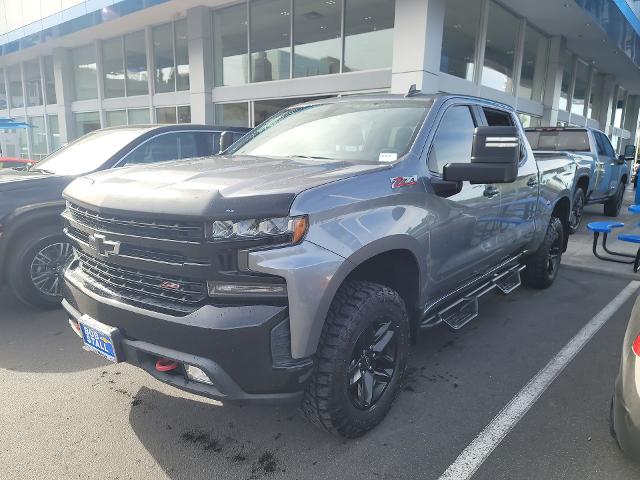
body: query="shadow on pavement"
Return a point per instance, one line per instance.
(33, 340)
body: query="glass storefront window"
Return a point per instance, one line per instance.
(166, 115)
(502, 33)
(83, 64)
(23, 145)
(596, 95)
(54, 132)
(529, 121)
(114, 118)
(86, 122)
(113, 67)
(231, 58)
(270, 40)
(232, 114)
(619, 108)
(566, 83)
(264, 109)
(135, 53)
(461, 21)
(534, 65)
(49, 81)
(15, 86)
(3, 91)
(138, 116)
(368, 30)
(163, 58)
(580, 88)
(317, 37)
(38, 138)
(184, 114)
(182, 54)
(33, 82)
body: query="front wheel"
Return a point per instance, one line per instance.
(360, 360)
(543, 265)
(576, 211)
(613, 206)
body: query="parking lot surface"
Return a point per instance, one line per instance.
(66, 413)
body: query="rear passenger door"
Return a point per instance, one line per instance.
(518, 199)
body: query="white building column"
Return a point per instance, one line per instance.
(607, 102)
(200, 30)
(631, 120)
(63, 77)
(417, 45)
(553, 82)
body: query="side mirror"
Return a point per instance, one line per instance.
(494, 157)
(226, 140)
(630, 152)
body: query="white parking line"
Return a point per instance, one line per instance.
(479, 450)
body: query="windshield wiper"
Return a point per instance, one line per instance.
(41, 170)
(312, 157)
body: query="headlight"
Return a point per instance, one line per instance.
(294, 227)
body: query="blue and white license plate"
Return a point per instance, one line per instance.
(98, 337)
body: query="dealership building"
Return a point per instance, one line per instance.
(68, 67)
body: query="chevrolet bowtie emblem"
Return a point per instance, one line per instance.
(104, 247)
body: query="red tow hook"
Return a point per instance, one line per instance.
(166, 365)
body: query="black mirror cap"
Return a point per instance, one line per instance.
(444, 188)
(480, 172)
(226, 140)
(496, 145)
(630, 152)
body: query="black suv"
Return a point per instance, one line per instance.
(33, 249)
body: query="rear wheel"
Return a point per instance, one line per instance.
(576, 211)
(360, 361)
(36, 267)
(613, 206)
(543, 265)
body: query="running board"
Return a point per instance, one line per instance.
(461, 312)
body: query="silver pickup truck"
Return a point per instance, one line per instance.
(300, 265)
(601, 176)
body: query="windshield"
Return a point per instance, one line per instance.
(89, 152)
(559, 140)
(375, 131)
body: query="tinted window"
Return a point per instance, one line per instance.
(609, 151)
(601, 148)
(170, 146)
(559, 140)
(454, 139)
(496, 118)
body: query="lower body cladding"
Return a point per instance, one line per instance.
(625, 406)
(240, 353)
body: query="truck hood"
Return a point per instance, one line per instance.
(19, 179)
(213, 187)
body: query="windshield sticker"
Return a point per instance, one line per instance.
(387, 157)
(399, 182)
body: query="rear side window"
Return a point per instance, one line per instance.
(607, 147)
(170, 146)
(453, 140)
(496, 118)
(559, 140)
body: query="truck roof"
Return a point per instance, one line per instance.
(561, 129)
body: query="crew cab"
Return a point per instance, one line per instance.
(33, 249)
(602, 176)
(300, 265)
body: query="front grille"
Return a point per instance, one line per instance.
(166, 230)
(141, 287)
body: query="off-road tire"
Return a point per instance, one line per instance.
(613, 206)
(357, 306)
(19, 265)
(579, 200)
(538, 273)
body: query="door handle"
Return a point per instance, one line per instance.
(532, 182)
(491, 192)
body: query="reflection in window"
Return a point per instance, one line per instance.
(136, 64)
(461, 22)
(566, 82)
(86, 122)
(163, 58)
(83, 64)
(138, 116)
(15, 86)
(54, 132)
(113, 67)
(453, 140)
(368, 30)
(33, 82)
(230, 45)
(534, 65)
(264, 109)
(580, 89)
(3, 91)
(317, 40)
(49, 81)
(184, 114)
(38, 138)
(529, 121)
(232, 114)
(502, 33)
(182, 54)
(115, 118)
(270, 39)
(166, 115)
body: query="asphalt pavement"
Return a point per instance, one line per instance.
(66, 413)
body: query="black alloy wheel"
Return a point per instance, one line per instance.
(577, 211)
(48, 266)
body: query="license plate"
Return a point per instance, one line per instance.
(98, 337)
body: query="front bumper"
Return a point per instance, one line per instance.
(238, 347)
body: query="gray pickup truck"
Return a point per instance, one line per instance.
(300, 265)
(601, 176)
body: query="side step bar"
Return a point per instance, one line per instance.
(461, 312)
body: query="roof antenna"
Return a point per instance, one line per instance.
(413, 91)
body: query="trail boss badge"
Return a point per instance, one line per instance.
(399, 182)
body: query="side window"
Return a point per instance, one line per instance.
(453, 140)
(170, 146)
(610, 152)
(496, 118)
(601, 148)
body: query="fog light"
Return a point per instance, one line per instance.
(196, 374)
(247, 289)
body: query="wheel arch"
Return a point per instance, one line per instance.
(562, 210)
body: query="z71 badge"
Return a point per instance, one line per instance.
(399, 182)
